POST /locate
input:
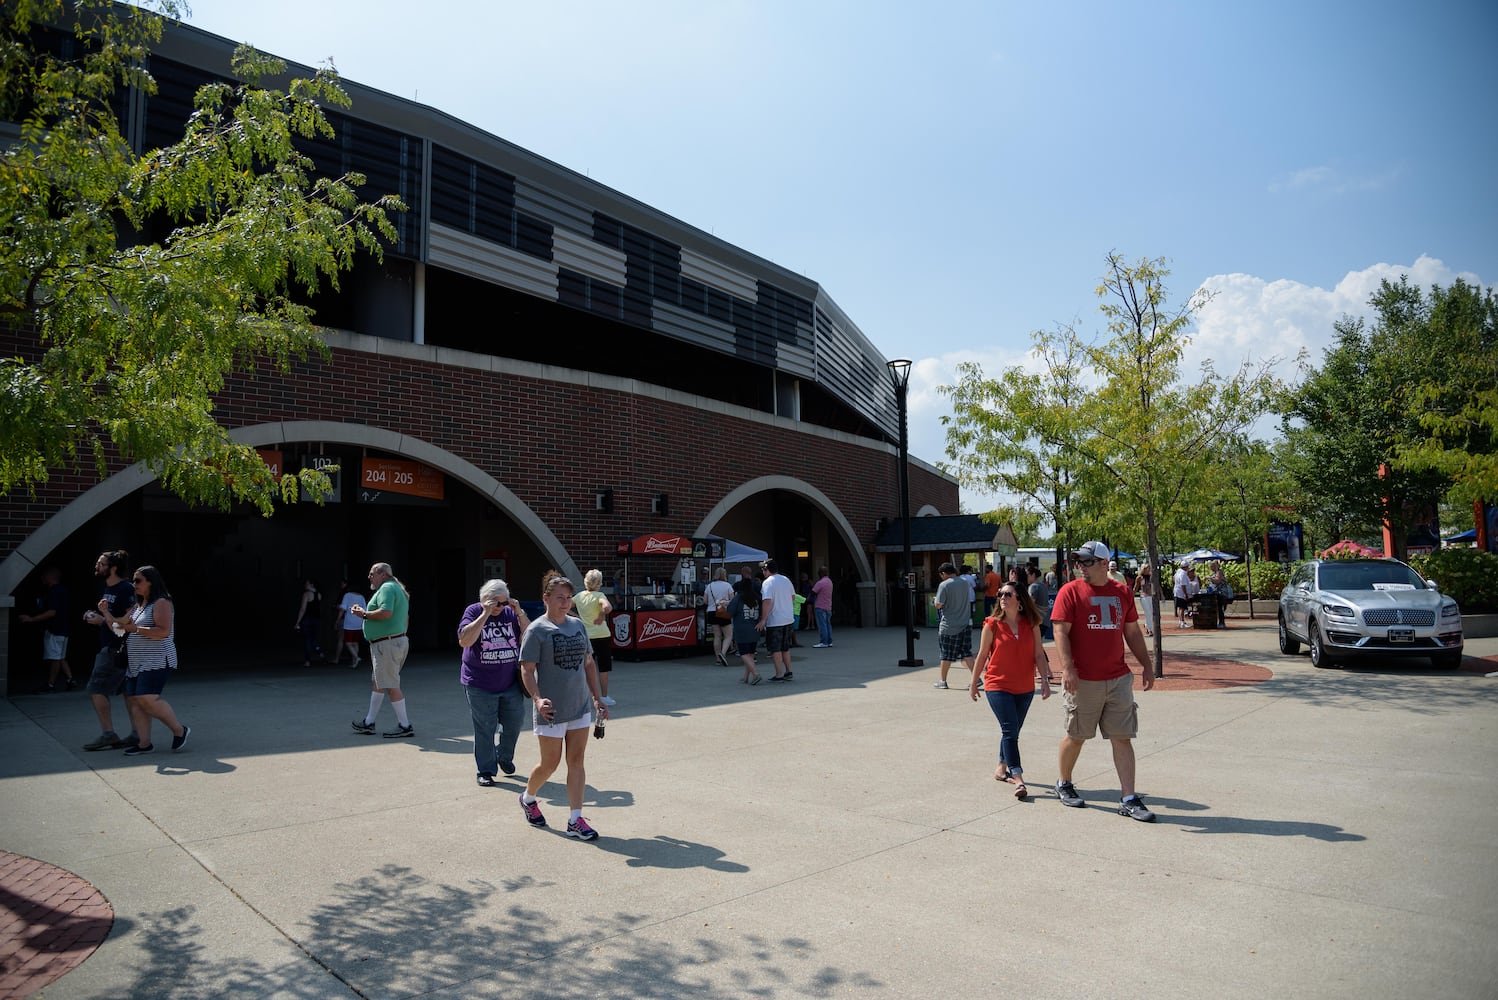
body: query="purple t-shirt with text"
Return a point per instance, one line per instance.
(491, 662)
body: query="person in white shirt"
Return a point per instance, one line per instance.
(777, 618)
(350, 628)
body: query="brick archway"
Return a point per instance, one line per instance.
(803, 489)
(24, 559)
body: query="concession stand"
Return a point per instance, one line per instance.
(664, 617)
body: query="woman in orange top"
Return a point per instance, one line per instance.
(1012, 660)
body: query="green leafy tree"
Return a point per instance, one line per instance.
(146, 278)
(1399, 411)
(1135, 439)
(1457, 401)
(999, 437)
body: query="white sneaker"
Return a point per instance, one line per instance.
(606, 700)
(822, 645)
(940, 685)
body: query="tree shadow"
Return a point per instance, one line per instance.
(396, 932)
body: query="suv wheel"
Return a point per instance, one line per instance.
(1319, 655)
(1289, 645)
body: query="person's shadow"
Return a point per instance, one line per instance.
(1201, 823)
(669, 852)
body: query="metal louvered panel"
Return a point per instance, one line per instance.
(850, 367)
(578, 252)
(676, 322)
(562, 213)
(715, 275)
(478, 258)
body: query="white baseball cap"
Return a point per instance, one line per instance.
(1092, 550)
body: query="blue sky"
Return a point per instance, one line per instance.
(953, 173)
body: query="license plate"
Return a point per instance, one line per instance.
(1401, 635)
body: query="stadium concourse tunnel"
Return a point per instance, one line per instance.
(236, 577)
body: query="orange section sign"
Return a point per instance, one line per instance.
(393, 475)
(271, 458)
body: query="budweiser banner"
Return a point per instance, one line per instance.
(660, 629)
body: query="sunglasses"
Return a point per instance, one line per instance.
(1084, 563)
(137, 579)
(1006, 593)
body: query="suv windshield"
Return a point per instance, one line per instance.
(1364, 575)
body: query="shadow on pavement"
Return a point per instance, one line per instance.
(1370, 688)
(670, 852)
(396, 933)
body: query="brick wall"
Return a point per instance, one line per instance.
(551, 443)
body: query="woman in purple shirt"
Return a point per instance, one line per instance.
(490, 636)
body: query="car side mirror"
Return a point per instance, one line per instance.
(1432, 585)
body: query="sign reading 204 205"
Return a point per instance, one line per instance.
(394, 480)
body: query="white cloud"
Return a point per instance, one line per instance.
(1330, 180)
(1247, 318)
(1250, 318)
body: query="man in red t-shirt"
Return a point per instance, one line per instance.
(1093, 617)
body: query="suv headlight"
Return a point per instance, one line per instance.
(1339, 611)
(1450, 611)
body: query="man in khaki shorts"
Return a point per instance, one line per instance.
(385, 629)
(1093, 617)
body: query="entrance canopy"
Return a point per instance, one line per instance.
(948, 533)
(737, 552)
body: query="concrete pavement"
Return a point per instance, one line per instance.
(1323, 834)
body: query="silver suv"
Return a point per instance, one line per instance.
(1350, 608)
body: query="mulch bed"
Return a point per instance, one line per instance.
(50, 921)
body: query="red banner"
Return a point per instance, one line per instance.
(668, 629)
(656, 545)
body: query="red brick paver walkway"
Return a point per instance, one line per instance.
(1185, 672)
(50, 921)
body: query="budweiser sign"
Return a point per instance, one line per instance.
(654, 628)
(662, 545)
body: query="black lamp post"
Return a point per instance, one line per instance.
(899, 376)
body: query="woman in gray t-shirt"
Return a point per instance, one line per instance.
(558, 671)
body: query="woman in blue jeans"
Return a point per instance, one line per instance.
(1012, 660)
(490, 633)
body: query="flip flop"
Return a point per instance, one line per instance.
(754, 680)
(1020, 791)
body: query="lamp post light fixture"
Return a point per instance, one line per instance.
(899, 377)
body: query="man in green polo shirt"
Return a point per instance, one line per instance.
(385, 630)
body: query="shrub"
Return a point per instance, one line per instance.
(1269, 579)
(1468, 576)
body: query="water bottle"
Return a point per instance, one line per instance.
(598, 724)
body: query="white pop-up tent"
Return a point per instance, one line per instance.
(737, 552)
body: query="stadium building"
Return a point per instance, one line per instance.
(540, 368)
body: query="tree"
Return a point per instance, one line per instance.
(1137, 441)
(139, 281)
(997, 435)
(1457, 404)
(1400, 411)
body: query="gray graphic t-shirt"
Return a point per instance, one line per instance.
(956, 606)
(559, 651)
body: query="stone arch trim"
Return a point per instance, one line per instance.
(21, 562)
(790, 484)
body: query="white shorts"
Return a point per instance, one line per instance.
(559, 730)
(54, 647)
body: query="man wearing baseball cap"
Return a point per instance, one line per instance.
(1094, 617)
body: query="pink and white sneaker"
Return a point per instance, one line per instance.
(580, 829)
